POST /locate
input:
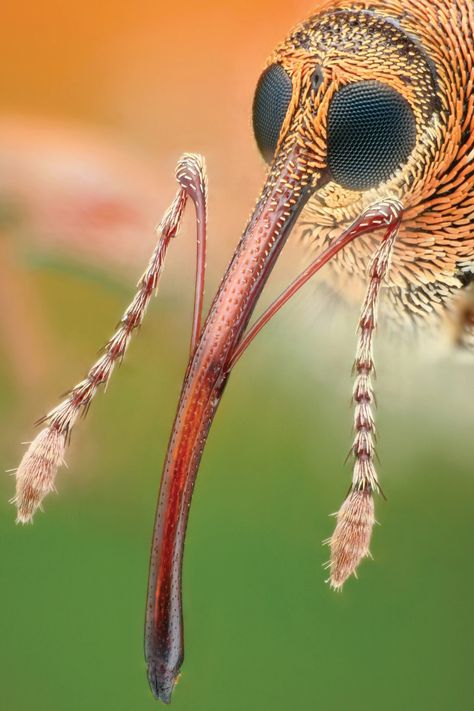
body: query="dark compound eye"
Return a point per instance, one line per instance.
(270, 104)
(371, 132)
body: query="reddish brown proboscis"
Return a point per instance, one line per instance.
(283, 197)
(205, 380)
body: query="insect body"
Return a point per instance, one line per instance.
(364, 115)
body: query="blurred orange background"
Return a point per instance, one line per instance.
(156, 78)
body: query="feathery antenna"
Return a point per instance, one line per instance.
(355, 520)
(36, 474)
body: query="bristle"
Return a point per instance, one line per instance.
(36, 474)
(350, 541)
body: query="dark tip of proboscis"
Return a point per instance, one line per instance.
(161, 683)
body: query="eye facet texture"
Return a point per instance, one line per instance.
(371, 132)
(270, 105)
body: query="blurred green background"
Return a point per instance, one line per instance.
(95, 107)
(263, 631)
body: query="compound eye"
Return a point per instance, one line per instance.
(371, 133)
(270, 106)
